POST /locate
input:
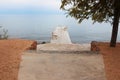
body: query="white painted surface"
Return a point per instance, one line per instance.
(60, 36)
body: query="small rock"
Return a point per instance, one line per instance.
(33, 46)
(94, 46)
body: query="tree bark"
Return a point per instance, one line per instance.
(115, 27)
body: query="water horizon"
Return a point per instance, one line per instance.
(40, 27)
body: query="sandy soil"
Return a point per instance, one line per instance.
(62, 62)
(111, 60)
(10, 56)
(57, 62)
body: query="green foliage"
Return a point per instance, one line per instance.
(3, 33)
(97, 10)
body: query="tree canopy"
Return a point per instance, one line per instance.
(97, 10)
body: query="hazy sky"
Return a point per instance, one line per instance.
(30, 6)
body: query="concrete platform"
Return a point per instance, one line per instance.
(48, 66)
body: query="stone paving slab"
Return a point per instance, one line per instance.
(47, 66)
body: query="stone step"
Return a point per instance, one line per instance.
(60, 52)
(64, 47)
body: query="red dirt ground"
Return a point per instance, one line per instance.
(111, 58)
(10, 57)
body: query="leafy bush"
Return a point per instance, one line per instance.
(3, 33)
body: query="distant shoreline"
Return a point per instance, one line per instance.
(39, 41)
(47, 40)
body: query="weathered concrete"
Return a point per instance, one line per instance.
(61, 36)
(62, 64)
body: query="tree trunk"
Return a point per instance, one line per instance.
(115, 27)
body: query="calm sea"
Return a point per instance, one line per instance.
(39, 27)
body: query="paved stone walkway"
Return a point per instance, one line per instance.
(53, 65)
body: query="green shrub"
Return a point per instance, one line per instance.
(3, 33)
